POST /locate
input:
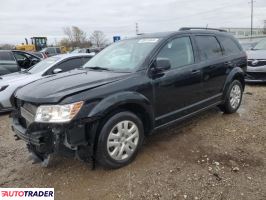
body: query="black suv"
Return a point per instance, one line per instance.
(133, 87)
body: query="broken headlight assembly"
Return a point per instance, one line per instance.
(57, 113)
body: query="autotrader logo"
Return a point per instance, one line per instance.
(26, 193)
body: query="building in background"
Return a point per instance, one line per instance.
(245, 32)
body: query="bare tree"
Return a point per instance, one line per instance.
(75, 38)
(6, 46)
(98, 39)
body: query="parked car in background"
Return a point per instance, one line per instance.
(256, 70)
(248, 45)
(48, 67)
(87, 50)
(13, 60)
(51, 51)
(133, 87)
(40, 54)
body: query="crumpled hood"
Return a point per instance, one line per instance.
(54, 88)
(256, 54)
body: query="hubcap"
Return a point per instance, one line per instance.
(123, 140)
(235, 96)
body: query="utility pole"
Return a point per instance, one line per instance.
(251, 25)
(137, 28)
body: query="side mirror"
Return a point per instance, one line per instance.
(162, 64)
(57, 70)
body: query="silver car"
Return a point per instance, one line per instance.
(50, 66)
(256, 70)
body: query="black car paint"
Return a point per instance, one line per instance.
(161, 98)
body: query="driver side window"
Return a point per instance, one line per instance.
(179, 52)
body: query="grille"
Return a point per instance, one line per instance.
(252, 63)
(26, 112)
(30, 108)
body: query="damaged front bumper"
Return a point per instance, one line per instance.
(75, 139)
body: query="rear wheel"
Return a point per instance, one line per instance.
(119, 140)
(233, 98)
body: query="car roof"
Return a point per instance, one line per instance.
(171, 33)
(72, 55)
(5, 50)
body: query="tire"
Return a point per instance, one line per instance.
(119, 141)
(229, 106)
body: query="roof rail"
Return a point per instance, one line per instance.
(201, 28)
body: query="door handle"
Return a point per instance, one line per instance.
(195, 71)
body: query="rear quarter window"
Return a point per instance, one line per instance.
(229, 45)
(58, 50)
(6, 56)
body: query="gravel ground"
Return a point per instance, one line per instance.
(212, 156)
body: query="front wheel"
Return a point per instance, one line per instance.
(119, 140)
(233, 98)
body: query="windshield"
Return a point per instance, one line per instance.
(124, 56)
(44, 64)
(261, 45)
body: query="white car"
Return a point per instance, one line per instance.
(50, 66)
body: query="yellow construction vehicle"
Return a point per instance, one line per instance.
(37, 44)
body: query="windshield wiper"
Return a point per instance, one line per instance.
(98, 68)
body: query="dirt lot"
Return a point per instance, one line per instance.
(213, 156)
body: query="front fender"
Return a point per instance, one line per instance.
(111, 102)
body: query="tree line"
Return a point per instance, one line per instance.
(77, 38)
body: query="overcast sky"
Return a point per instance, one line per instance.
(20, 19)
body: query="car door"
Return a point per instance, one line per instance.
(66, 65)
(213, 68)
(8, 64)
(179, 87)
(25, 60)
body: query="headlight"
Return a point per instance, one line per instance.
(57, 113)
(2, 88)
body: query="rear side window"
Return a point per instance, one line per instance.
(70, 64)
(6, 56)
(50, 50)
(229, 45)
(58, 50)
(209, 47)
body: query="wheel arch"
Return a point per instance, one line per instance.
(236, 74)
(126, 101)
